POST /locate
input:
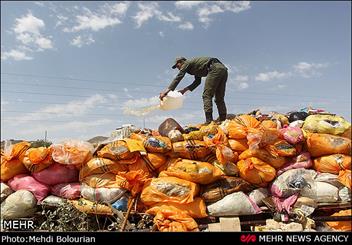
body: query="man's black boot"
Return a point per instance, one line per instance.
(208, 117)
(222, 117)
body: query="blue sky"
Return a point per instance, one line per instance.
(72, 68)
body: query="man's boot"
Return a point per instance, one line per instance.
(208, 117)
(222, 117)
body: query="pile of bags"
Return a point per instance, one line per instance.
(179, 175)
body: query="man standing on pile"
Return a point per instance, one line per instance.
(215, 83)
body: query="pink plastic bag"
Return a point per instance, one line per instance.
(27, 182)
(285, 204)
(292, 135)
(57, 174)
(68, 191)
(301, 161)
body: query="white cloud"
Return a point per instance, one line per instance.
(170, 17)
(204, 12)
(187, 4)
(205, 9)
(268, 76)
(242, 86)
(28, 31)
(61, 20)
(40, 4)
(80, 41)
(161, 34)
(15, 55)
(186, 26)
(108, 15)
(44, 43)
(29, 24)
(76, 126)
(127, 93)
(281, 86)
(146, 12)
(94, 22)
(149, 10)
(120, 8)
(309, 69)
(241, 78)
(71, 109)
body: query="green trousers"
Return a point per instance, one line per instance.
(215, 85)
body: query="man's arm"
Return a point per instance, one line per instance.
(177, 79)
(195, 84)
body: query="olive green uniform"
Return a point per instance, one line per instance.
(215, 83)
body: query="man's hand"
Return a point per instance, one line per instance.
(163, 94)
(182, 91)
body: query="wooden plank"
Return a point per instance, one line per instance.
(230, 224)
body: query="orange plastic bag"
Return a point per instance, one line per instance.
(146, 169)
(140, 137)
(11, 160)
(11, 168)
(347, 133)
(100, 165)
(195, 171)
(264, 155)
(158, 144)
(107, 180)
(268, 124)
(191, 149)
(224, 154)
(345, 178)
(37, 159)
(282, 148)
(170, 219)
(195, 209)
(326, 144)
(255, 171)
(341, 225)
(247, 121)
(135, 181)
(238, 127)
(16, 151)
(262, 137)
(332, 163)
(118, 151)
(217, 139)
(74, 152)
(169, 189)
(89, 207)
(238, 145)
(155, 159)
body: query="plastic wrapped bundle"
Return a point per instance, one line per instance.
(195, 171)
(27, 182)
(118, 151)
(224, 186)
(57, 174)
(326, 144)
(169, 189)
(256, 171)
(191, 149)
(236, 203)
(99, 165)
(72, 152)
(37, 159)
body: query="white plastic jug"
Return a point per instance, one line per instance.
(172, 101)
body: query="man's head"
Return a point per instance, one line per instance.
(179, 62)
